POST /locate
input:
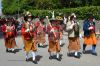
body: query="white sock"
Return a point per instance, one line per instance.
(33, 55)
(76, 53)
(12, 49)
(80, 36)
(60, 42)
(57, 55)
(41, 44)
(27, 55)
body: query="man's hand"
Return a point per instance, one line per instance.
(27, 30)
(52, 30)
(71, 26)
(90, 28)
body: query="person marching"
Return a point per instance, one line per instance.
(8, 30)
(72, 28)
(30, 44)
(89, 34)
(54, 37)
(41, 33)
(61, 29)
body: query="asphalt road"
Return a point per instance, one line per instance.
(18, 59)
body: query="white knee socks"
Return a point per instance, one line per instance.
(33, 55)
(27, 55)
(76, 53)
(57, 55)
(60, 42)
(12, 49)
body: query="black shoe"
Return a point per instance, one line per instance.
(78, 55)
(62, 45)
(70, 54)
(84, 52)
(94, 53)
(7, 50)
(39, 45)
(27, 60)
(59, 59)
(35, 62)
(13, 51)
(44, 46)
(51, 57)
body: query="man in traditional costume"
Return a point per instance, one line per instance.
(60, 24)
(72, 28)
(53, 31)
(89, 34)
(41, 33)
(8, 30)
(30, 45)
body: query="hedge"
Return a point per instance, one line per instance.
(81, 12)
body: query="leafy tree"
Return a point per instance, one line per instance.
(19, 6)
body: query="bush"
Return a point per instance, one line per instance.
(81, 12)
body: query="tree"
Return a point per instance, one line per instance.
(96, 2)
(47, 4)
(15, 6)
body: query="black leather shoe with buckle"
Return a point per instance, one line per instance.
(35, 62)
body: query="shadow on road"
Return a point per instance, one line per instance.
(88, 51)
(38, 57)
